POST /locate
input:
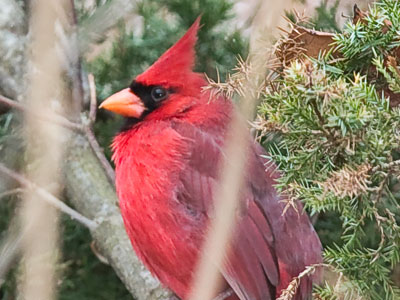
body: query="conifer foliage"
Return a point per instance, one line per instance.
(332, 125)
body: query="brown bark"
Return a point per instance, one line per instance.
(94, 196)
(86, 183)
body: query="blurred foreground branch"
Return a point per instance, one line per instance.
(87, 186)
(6, 102)
(39, 220)
(78, 127)
(91, 192)
(46, 196)
(222, 225)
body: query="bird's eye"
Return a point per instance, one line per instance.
(158, 93)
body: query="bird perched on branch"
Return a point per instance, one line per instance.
(168, 159)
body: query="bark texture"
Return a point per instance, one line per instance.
(12, 47)
(91, 193)
(86, 183)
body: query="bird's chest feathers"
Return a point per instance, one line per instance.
(148, 165)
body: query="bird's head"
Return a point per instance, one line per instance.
(170, 76)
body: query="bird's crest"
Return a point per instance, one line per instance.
(174, 66)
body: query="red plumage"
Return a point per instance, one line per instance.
(167, 167)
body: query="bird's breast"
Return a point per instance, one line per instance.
(164, 235)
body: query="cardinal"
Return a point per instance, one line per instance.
(168, 160)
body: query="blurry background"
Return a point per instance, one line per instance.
(124, 40)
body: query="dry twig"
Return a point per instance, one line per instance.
(94, 144)
(86, 129)
(219, 233)
(93, 99)
(49, 198)
(224, 295)
(11, 192)
(50, 118)
(348, 182)
(9, 251)
(290, 291)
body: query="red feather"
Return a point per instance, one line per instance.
(167, 168)
(174, 67)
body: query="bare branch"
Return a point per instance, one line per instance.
(290, 291)
(224, 295)
(236, 148)
(50, 118)
(90, 135)
(387, 166)
(93, 99)
(49, 198)
(11, 192)
(9, 250)
(70, 125)
(91, 193)
(100, 154)
(86, 183)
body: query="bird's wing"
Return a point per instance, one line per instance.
(251, 267)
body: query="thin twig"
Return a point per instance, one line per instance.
(93, 99)
(291, 290)
(49, 198)
(9, 250)
(221, 227)
(98, 254)
(100, 154)
(390, 165)
(11, 192)
(378, 218)
(224, 295)
(53, 118)
(321, 120)
(90, 135)
(73, 126)
(76, 68)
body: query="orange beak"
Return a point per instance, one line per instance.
(124, 103)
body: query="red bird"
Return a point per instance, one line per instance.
(168, 160)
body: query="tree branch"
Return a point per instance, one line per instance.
(92, 194)
(72, 126)
(9, 251)
(90, 135)
(48, 197)
(100, 154)
(387, 166)
(11, 192)
(224, 295)
(55, 119)
(93, 99)
(86, 183)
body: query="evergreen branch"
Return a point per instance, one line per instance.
(322, 123)
(387, 166)
(289, 292)
(348, 182)
(338, 152)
